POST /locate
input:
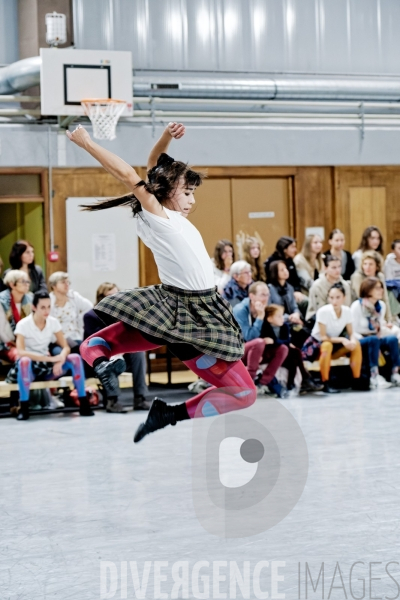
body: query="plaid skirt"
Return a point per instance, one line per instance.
(201, 318)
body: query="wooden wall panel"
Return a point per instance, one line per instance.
(314, 200)
(212, 213)
(368, 177)
(366, 205)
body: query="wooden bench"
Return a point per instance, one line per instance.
(125, 381)
(344, 361)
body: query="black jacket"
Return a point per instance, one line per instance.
(350, 267)
(38, 282)
(91, 324)
(291, 267)
(284, 337)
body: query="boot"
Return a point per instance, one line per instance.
(160, 415)
(107, 371)
(23, 414)
(85, 410)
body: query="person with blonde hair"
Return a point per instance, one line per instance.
(15, 304)
(251, 253)
(68, 307)
(309, 262)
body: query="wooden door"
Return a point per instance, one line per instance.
(212, 213)
(367, 206)
(261, 207)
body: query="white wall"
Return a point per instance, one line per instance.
(88, 266)
(256, 145)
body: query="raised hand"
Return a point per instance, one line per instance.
(176, 130)
(79, 136)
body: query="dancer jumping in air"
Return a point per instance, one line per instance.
(185, 312)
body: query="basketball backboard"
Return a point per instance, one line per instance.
(68, 76)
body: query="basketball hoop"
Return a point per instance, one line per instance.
(103, 114)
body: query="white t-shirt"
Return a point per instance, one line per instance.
(178, 249)
(37, 340)
(334, 324)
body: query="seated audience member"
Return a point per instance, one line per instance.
(34, 334)
(277, 332)
(337, 242)
(392, 276)
(15, 304)
(286, 250)
(2, 284)
(333, 337)
(135, 361)
(237, 287)
(250, 314)
(68, 307)
(282, 292)
(371, 240)
(224, 256)
(22, 257)
(368, 315)
(309, 262)
(320, 289)
(251, 251)
(371, 266)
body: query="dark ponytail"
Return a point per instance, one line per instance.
(163, 180)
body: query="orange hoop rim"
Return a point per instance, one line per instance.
(104, 100)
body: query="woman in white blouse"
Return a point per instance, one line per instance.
(368, 313)
(68, 307)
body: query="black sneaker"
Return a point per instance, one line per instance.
(160, 415)
(308, 385)
(108, 371)
(330, 390)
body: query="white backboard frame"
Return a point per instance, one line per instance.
(67, 76)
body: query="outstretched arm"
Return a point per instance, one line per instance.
(173, 130)
(118, 168)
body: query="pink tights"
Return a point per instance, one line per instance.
(233, 388)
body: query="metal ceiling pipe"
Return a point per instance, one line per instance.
(20, 76)
(24, 74)
(271, 88)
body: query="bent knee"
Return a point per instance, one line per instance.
(247, 397)
(326, 347)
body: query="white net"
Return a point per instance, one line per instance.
(104, 115)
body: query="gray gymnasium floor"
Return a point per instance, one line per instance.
(76, 492)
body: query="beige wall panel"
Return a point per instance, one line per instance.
(212, 214)
(258, 195)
